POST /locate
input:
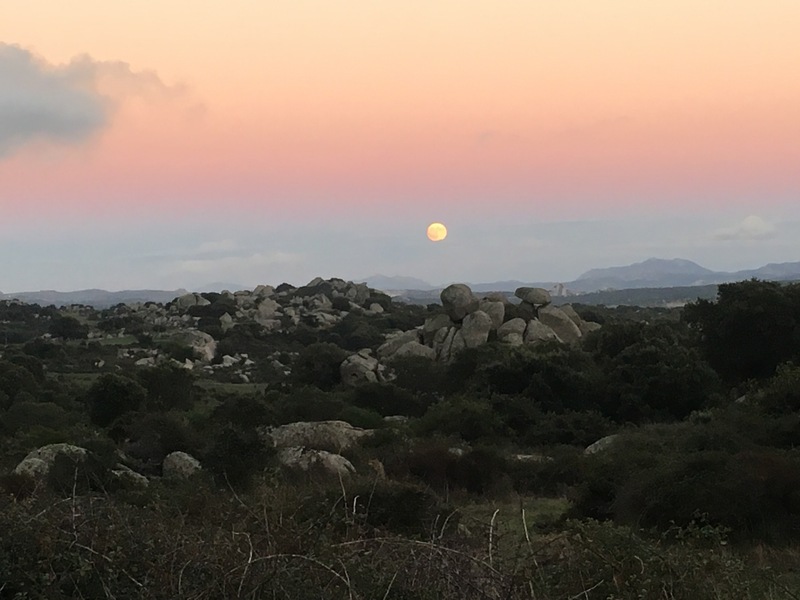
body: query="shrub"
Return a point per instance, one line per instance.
(111, 396)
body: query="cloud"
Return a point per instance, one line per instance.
(64, 103)
(751, 228)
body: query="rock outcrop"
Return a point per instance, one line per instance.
(564, 327)
(315, 464)
(458, 301)
(38, 462)
(475, 329)
(333, 436)
(179, 465)
(512, 332)
(362, 367)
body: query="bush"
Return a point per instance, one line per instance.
(111, 396)
(318, 365)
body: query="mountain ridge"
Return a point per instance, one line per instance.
(650, 273)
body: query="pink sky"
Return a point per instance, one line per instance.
(310, 107)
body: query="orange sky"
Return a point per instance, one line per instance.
(303, 107)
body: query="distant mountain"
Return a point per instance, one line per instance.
(386, 283)
(778, 271)
(96, 298)
(651, 274)
(654, 272)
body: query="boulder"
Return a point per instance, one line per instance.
(395, 341)
(532, 295)
(458, 301)
(263, 291)
(413, 348)
(536, 331)
(179, 465)
(333, 436)
(448, 343)
(189, 300)
(588, 327)
(434, 324)
(602, 444)
(315, 464)
(512, 332)
(558, 321)
(128, 478)
(495, 310)
(475, 329)
(268, 309)
(226, 322)
(359, 368)
(38, 462)
(204, 346)
(571, 313)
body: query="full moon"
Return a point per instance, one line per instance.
(436, 232)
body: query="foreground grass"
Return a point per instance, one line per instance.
(354, 541)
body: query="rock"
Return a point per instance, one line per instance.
(189, 300)
(33, 467)
(588, 327)
(376, 308)
(512, 332)
(145, 362)
(536, 331)
(268, 309)
(432, 325)
(226, 322)
(359, 368)
(559, 322)
(315, 463)
(263, 291)
(38, 462)
(128, 478)
(452, 343)
(571, 313)
(475, 329)
(495, 310)
(413, 348)
(532, 295)
(395, 342)
(458, 301)
(179, 465)
(229, 361)
(333, 436)
(602, 444)
(532, 458)
(204, 346)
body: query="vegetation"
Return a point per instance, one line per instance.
(475, 482)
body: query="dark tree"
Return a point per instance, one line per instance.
(112, 396)
(751, 328)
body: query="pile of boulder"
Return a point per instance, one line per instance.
(468, 321)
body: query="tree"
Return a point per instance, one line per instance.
(318, 365)
(112, 396)
(751, 328)
(68, 328)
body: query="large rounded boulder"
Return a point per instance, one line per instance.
(458, 301)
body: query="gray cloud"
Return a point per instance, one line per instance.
(64, 103)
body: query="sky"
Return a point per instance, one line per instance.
(175, 144)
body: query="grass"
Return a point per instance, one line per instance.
(505, 516)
